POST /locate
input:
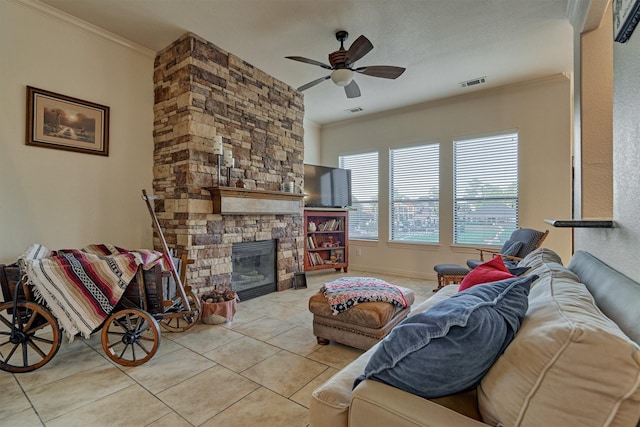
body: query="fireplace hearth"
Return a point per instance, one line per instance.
(253, 268)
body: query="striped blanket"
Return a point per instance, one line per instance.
(82, 287)
(346, 292)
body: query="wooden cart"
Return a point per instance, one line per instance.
(30, 335)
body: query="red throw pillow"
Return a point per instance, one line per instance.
(490, 271)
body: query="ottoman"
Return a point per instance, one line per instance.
(449, 273)
(361, 326)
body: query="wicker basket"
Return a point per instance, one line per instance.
(217, 313)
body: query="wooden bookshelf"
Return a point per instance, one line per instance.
(326, 239)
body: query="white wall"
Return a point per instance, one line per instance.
(620, 246)
(312, 142)
(541, 113)
(59, 198)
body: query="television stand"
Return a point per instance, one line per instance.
(326, 239)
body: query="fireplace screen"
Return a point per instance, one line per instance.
(253, 268)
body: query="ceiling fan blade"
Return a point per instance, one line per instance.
(352, 90)
(309, 61)
(313, 83)
(358, 49)
(384, 71)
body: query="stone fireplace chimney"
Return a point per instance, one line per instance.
(201, 91)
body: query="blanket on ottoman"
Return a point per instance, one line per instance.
(344, 293)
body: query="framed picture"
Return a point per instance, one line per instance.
(299, 280)
(66, 123)
(626, 14)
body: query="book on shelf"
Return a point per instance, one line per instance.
(311, 243)
(315, 259)
(331, 225)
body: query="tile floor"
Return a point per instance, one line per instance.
(258, 370)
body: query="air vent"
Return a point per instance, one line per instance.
(354, 110)
(473, 82)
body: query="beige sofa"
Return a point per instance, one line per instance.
(574, 362)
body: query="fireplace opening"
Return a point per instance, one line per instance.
(253, 268)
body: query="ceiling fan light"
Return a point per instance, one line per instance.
(342, 76)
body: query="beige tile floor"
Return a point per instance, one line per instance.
(258, 370)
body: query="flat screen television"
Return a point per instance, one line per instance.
(326, 187)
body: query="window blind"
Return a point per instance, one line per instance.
(414, 193)
(363, 220)
(485, 185)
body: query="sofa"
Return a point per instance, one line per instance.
(574, 361)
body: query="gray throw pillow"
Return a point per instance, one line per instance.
(449, 347)
(511, 248)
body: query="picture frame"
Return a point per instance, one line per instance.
(626, 14)
(66, 123)
(299, 280)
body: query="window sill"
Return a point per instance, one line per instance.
(363, 242)
(414, 245)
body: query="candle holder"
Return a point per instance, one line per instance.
(228, 162)
(217, 151)
(219, 156)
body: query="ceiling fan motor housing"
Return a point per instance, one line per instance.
(338, 58)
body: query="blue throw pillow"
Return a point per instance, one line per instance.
(517, 271)
(449, 347)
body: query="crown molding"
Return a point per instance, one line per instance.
(586, 15)
(86, 26)
(577, 13)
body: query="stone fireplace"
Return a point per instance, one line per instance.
(201, 92)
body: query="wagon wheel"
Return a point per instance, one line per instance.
(32, 340)
(130, 337)
(180, 321)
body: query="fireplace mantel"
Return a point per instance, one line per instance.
(235, 201)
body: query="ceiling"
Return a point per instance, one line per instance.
(440, 43)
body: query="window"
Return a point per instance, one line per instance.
(485, 186)
(414, 193)
(363, 222)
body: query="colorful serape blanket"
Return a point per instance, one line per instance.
(346, 292)
(82, 287)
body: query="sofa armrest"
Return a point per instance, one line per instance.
(374, 403)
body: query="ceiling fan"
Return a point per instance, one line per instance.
(342, 65)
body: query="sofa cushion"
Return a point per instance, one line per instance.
(568, 365)
(448, 348)
(540, 257)
(552, 269)
(490, 271)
